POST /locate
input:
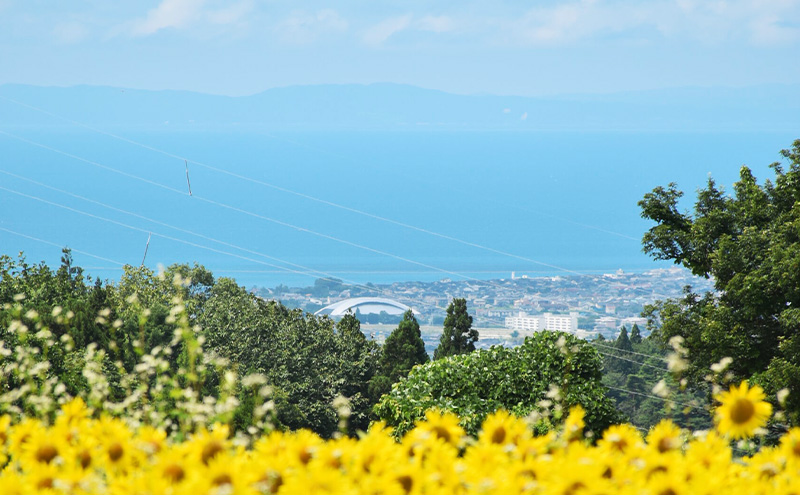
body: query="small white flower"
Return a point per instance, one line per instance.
(783, 394)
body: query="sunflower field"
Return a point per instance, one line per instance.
(81, 453)
(154, 428)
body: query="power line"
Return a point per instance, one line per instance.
(185, 231)
(631, 361)
(289, 191)
(85, 253)
(91, 162)
(122, 224)
(595, 343)
(307, 270)
(255, 215)
(684, 404)
(296, 193)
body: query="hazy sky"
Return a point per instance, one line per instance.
(503, 47)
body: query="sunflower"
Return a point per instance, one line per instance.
(790, 446)
(665, 437)
(503, 428)
(440, 426)
(574, 424)
(621, 439)
(73, 413)
(742, 411)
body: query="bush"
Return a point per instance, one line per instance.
(549, 372)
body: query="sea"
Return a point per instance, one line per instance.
(270, 208)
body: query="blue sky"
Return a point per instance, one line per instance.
(502, 47)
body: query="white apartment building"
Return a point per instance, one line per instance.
(547, 321)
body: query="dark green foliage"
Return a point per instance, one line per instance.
(749, 243)
(623, 344)
(636, 335)
(458, 336)
(358, 359)
(305, 359)
(631, 390)
(516, 379)
(403, 349)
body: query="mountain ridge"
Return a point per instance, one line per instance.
(390, 106)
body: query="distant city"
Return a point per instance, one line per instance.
(510, 308)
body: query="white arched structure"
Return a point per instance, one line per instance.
(365, 305)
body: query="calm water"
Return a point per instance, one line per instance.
(565, 200)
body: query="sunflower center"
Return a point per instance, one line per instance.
(666, 444)
(210, 450)
(85, 458)
(272, 482)
(174, 473)
(574, 488)
(222, 479)
(441, 432)
(407, 482)
(499, 434)
(115, 452)
(742, 411)
(46, 453)
(305, 455)
(45, 483)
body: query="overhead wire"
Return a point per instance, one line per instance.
(664, 399)
(304, 270)
(632, 361)
(157, 234)
(307, 270)
(75, 250)
(296, 193)
(282, 189)
(286, 224)
(595, 343)
(263, 217)
(253, 214)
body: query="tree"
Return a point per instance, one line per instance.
(636, 335)
(749, 243)
(357, 364)
(516, 379)
(304, 359)
(621, 363)
(458, 336)
(403, 349)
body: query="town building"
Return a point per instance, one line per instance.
(524, 322)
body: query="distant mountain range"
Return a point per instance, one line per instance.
(401, 107)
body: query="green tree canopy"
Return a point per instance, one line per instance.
(636, 335)
(304, 358)
(458, 336)
(516, 379)
(749, 243)
(403, 349)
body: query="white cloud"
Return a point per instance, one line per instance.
(379, 33)
(69, 32)
(230, 14)
(169, 14)
(770, 30)
(436, 24)
(305, 27)
(709, 21)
